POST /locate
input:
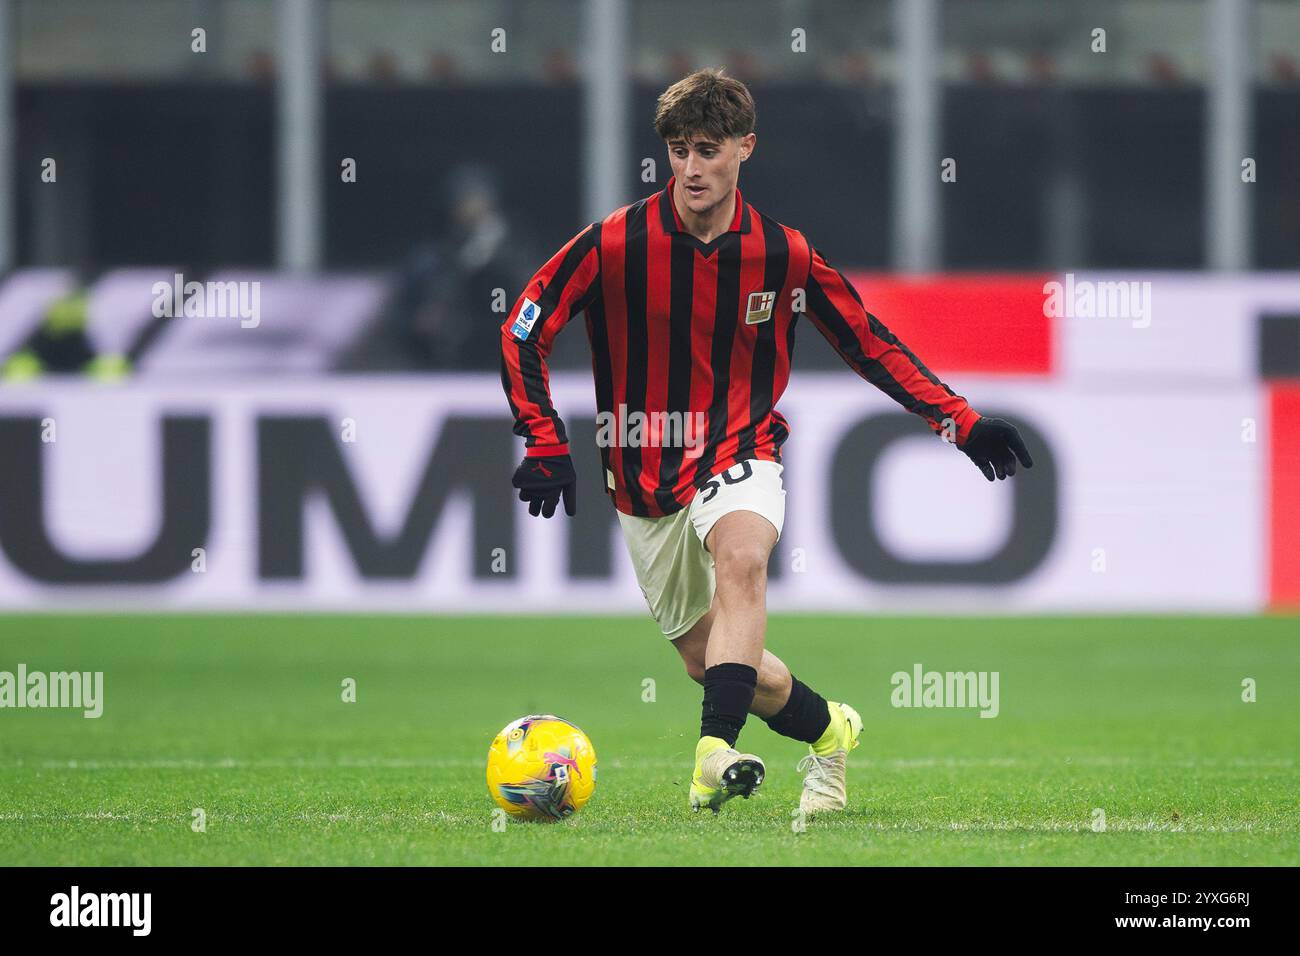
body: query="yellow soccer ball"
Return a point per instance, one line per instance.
(541, 768)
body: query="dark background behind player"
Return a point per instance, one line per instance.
(1083, 159)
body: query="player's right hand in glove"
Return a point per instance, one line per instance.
(995, 445)
(543, 480)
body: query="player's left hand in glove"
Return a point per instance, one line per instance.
(543, 480)
(995, 446)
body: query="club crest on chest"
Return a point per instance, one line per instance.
(759, 308)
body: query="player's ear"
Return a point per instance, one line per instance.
(747, 145)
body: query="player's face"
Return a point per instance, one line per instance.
(708, 169)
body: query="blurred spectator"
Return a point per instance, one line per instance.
(441, 312)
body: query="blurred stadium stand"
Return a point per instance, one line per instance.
(1074, 160)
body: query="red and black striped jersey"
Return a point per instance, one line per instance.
(691, 345)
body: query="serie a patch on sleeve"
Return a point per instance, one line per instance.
(528, 315)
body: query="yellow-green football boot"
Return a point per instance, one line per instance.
(722, 773)
(824, 767)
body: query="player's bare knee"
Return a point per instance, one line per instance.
(741, 565)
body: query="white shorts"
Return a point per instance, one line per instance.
(673, 568)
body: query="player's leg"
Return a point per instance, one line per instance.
(773, 687)
(676, 577)
(741, 542)
(740, 524)
(737, 515)
(792, 709)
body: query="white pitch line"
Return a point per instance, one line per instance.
(442, 763)
(956, 826)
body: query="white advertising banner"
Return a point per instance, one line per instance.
(1164, 327)
(394, 494)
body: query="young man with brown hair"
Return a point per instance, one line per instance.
(691, 297)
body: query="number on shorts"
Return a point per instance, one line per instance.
(711, 486)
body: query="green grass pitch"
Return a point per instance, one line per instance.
(1141, 718)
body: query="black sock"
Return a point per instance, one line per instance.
(728, 694)
(805, 715)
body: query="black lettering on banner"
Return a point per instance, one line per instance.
(852, 488)
(298, 456)
(186, 508)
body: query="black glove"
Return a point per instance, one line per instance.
(542, 480)
(994, 445)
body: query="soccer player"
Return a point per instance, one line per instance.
(691, 298)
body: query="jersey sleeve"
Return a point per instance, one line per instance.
(876, 354)
(563, 287)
